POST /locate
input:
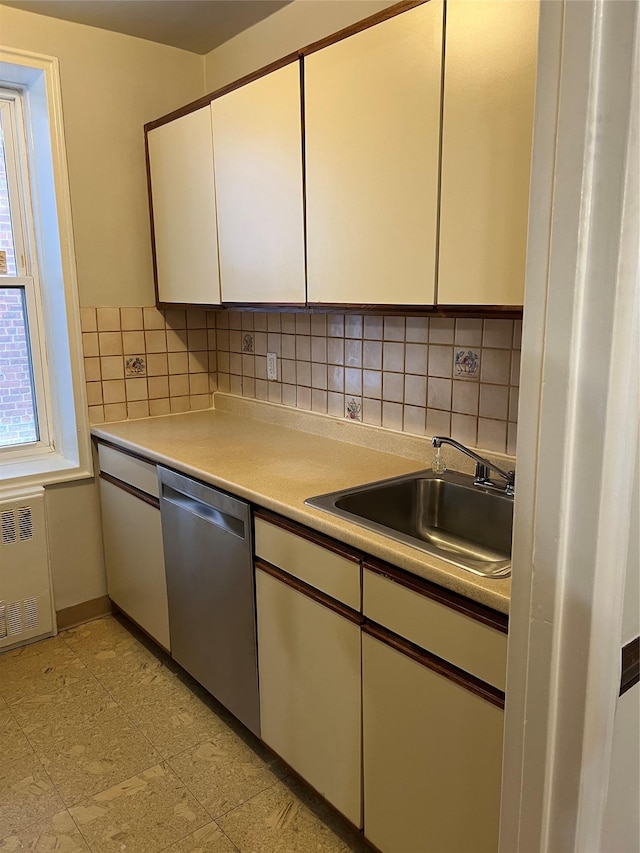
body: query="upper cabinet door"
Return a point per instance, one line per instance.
(372, 114)
(184, 209)
(258, 163)
(489, 87)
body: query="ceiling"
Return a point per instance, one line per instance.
(195, 25)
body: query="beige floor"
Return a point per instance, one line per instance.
(105, 746)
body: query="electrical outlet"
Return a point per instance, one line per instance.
(272, 365)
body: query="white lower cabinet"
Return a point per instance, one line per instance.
(433, 668)
(432, 756)
(132, 535)
(310, 701)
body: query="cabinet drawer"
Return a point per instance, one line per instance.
(136, 472)
(330, 572)
(462, 640)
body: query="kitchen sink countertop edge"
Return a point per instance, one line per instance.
(278, 468)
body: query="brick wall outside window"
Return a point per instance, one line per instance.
(17, 414)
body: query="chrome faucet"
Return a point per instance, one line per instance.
(483, 466)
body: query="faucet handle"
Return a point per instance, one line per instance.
(482, 473)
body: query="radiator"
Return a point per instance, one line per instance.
(26, 600)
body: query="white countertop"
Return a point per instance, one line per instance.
(278, 468)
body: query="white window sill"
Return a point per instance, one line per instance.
(40, 471)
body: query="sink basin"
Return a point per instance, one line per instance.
(440, 514)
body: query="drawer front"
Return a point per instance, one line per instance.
(322, 569)
(461, 640)
(129, 469)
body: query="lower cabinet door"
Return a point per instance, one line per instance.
(310, 699)
(432, 758)
(134, 559)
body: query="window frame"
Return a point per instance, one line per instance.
(63, 452)
(26, 278)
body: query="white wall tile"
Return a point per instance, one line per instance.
(415, 419)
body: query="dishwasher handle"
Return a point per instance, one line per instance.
(210, 514)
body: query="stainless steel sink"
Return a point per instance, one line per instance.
(442, 514)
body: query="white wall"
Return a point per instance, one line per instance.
(296, 25)
(75, 543)
(621, 825)
(111, 86)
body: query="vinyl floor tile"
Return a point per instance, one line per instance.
(109, 650)
(39, 668)
(275, 821)
(171, 716)
(58, 833)
(142, 757)
(96, 633)
(133, 677)
(223, 772)
(59, 715)
(207, 839)
(97, 758)
(144, 814)
(26, 795)
(13, 744)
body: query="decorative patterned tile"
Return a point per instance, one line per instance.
(26, 795)
(97, 758)
(466, 364)
(38, 668)
(56, 716)
(277, 820)
(58, 833)
(143, 814)
(224, 772)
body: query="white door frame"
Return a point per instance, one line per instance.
(578, 430)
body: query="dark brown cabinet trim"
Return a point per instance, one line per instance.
(459, 603)
(351, 30)
(309, 591)
(124, 450)
(205, 100)
(310, 535)
(132, 490)
(435, 664)
(481, 311)
(630, 665)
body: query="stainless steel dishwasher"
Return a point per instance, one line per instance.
(209, 563)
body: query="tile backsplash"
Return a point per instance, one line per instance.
(422, 375)
(142, 361)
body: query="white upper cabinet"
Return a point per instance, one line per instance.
(372, 115)
(184, 209)
(489, 87)
(257, 132)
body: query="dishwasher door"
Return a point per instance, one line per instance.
(210, 585)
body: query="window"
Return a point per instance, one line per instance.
(44, 435)
(22, 368)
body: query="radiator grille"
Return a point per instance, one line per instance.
(30, 612)
(25, 523)
(14, 618)
(22, 531)
(8, 527)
